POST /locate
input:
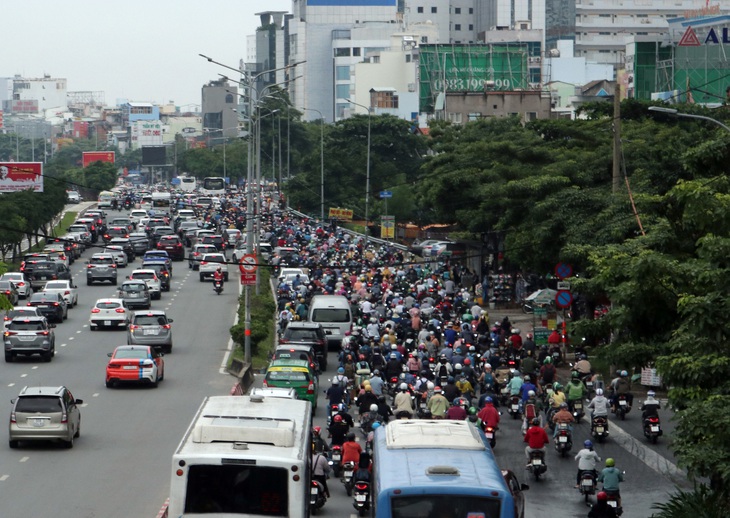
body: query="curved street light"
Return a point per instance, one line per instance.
(672, 111)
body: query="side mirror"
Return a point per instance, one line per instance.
(524, 487)
(79, 401)
(170, 321)
(88, 262)
(109, 354)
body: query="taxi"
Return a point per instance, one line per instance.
(294, 374)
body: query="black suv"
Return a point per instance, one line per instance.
(307, 333)
(44, 271)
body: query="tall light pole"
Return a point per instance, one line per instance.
(321, 162)
(672, 111)
(367, 174)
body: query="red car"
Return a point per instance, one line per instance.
(135, 364)
(173, 246)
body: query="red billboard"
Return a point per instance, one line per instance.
(90, 157)
(19, 176)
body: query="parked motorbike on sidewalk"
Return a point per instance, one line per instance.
(563, 440)
(652, 428)
(317, 496)
(361, 496)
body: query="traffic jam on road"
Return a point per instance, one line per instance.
(368, 333)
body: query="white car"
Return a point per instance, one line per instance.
(210, 263)
(67, 289)
(240, 249)
(110, 312)
(73, 197)
(152, 280)
(120, 256)
(21, 283)
(136, 215)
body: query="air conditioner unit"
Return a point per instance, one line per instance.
(411, 87)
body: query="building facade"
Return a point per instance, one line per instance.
(219, 99)
(32, 96)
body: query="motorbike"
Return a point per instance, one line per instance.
(652, 428)
(623, 407)
(317, 496)
(599, 428)
(613, 502)
(490, 433)
(563, 440)
(587, 486)
(337, 460)
(577, 410)
(361, 495)
(348, 470)
(218, 287)
(537, 464)
(514, 407)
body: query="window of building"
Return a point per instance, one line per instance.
(642, 33)
(229, 98)
(342, 73)
(474, 116)
(434, 10)
(342, 91)
(356, 51)
(604, 33)
(424, 39)
(384, 99)
(642, 16)
(457, 26)
(457, 10)
(604, 15)
(604, 51)
(408, 58)
(342, 52)
(420, 9)
(471, 10)
(530, 116)
(340, 109)
(471, 27)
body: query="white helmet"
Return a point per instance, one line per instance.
(457, 366)
(599, 392)
(393, 347)
(531, 393)
(429, 385)
(403, 387)
(651, 393)
(373, 407)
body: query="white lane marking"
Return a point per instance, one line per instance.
(95, 394)
(4, 478)
(85, 325)
(24, 375)
(78, 332)
(34, 367)
(654, 460)
(71, 337)
(63, 345)
(11, 384)
(24, 459)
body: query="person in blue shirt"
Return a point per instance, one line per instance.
(526, 387)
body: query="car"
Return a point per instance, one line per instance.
(50, 305)
(29, 261)
(198, 235)
(112, 232)
(126, 245)
(162, 273)
(151, 328)
(159, 231)
(109, 312)
(29, 335)
(82, 230)
(56, 251)
(209, 263)
(135, 293)
(418, 246)
(68, 245)
(173, 245)
(216, 240)
(297, 352)
(101, 267)
(73, 197)
(67, 289)
(10, 291)
(158, 255)
(21, 283)
(120, 256)
(135, 364)
(240, 248)
(42, 413)
(21, 311)
(122, 221)
(196, 254)
(90, 224)
(98, 214)
(434, 249)
(140, 242)
(135, 216)
(232, 236)
(186, 227)
(265, 250)
(310, 334)
(153, 282)
(44, 271)
(291, 277)
(295, 374)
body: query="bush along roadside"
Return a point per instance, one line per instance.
(263, 308)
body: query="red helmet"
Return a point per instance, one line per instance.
(602, 495)
(317, 430)
(337, 418)
(467, 361)
(362, 357)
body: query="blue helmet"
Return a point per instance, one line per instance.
(588, 444)
(341, 370)
(375, 425)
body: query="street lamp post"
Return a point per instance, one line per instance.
(672, 111)
(367, 174)
(321, 162)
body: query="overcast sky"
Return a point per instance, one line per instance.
(139, 50)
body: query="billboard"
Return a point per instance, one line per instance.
(19, 176)
(146, 133)
(89, 157)
(343, 214)
(154, 155)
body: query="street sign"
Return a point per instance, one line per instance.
(247, 265)
(248, 279)
(564, 285)
(386, 194)
(563, 299)
(563, 270)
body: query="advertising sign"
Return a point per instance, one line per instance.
(336, 213)
(19, 176)
(387, 227)
(89, 157)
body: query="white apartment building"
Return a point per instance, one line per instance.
(32, 96)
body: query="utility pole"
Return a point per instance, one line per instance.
(616, 139)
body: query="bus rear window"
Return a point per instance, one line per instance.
(444, 506)
(331, 315)
(249, 490)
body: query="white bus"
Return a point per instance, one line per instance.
(187, 183)
(244, 456)
(213, 186)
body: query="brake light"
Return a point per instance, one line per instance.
(67, 292)
(93, 228)
(166, 274)
(132, 327)
(54, 277)
(653, 419)
(90, 266)
(95, 310)
(203, 262)
(21, 284)
(120, 310)
(179, 245)
(10, 333)
(62, 257)
(361, 486)
(64, 419)
(113, 265)
(264, 384)
(7, 292)
(43, 333)
(166, 326)
(490, 429)
(55, 303)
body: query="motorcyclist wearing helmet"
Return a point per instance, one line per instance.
(583, 366)
(515, 384)
(320, 470)
(526, 388)
(563, 416)
(489, 415)
(319, 445)
(576, 389)
(465, 387)
(536, 439)
(456, 412)
(611, 478)
(351, 450)
(547, 371)
(529, 364)
(403, 403)
(335, 395)
(602, 509)
(338, 430)
(529, 344)
(450, 390)
(366, 399)
(650, 407)
(599, 405)
(342, 411)
(218, 275)
(621, 386)
(587, 459)
(438, 404)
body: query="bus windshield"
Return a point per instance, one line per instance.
(214, 186)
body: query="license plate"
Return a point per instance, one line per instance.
(360, 498)
(27, 338)
(578, 406)
(336, 458)
(423, 406)
(599, 429)
(313, 491)
(613, 503)
(587, 483)
(150, 331)
(102, 268)
(130, 367)
(43, 277)
(107, 322)
(39, 422)
(515, 407)
(490, 435)
(505, 390)
(42, 307)
(536, 462)
(654, 428)
(622, 403)
(562, 438)
(348, 474)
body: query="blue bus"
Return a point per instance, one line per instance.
(437, 469)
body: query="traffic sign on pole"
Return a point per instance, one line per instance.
(563, 270)
(386, 194)
(247, 264)
(563, 299)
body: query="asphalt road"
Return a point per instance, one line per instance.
(120, 466)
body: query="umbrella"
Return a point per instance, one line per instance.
(542, 296)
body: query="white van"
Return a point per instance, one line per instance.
(335, 315)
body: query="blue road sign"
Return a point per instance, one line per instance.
(563, 299)
(386, 194)
(563, 270)
(175, 181)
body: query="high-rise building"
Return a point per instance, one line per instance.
(218, 102)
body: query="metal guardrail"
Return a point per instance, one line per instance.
(377, 240)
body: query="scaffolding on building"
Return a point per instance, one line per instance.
(703, 70)
(92, 98)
